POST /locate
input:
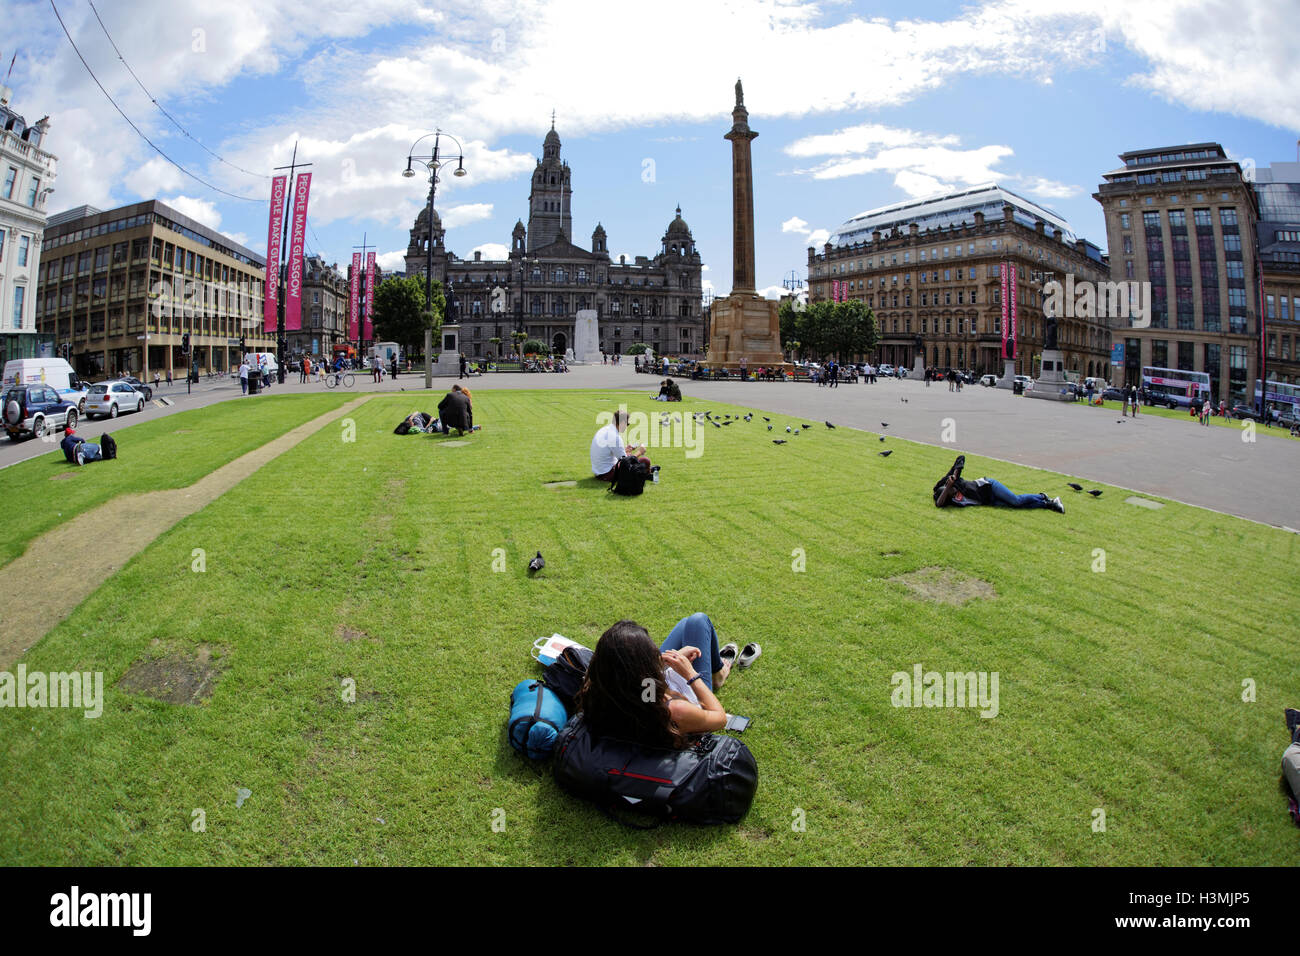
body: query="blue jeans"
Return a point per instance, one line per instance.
(90, 452)
(697, 631)
(1002, 495)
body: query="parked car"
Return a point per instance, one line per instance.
(33, 410)
(139, 386)
(1025, 381)
(988, 381)
(111, 398)
(1238, 410)
(1115, 394)
(1158, 398)
(885, 370)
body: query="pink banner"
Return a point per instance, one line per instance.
(354, 283)
(1011, 335)
(297, 238)
(269, 303)
(370, 296)
(1006, 303)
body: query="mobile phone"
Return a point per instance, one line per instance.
(738, 724)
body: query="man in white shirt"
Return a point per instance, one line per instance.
(608, 447)
(243, 377)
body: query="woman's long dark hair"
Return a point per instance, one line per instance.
(625, 695)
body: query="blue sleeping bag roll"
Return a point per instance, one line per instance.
(536, 716)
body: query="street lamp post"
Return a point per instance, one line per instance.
(433, 163)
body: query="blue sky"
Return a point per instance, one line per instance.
(856, 105)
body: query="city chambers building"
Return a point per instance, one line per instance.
(930, 269)
(1183, 218)
(113, 283)
(547, 279)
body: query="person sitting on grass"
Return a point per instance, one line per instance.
(455, 411)
(669, 391)
(607, 447)
(655, 696)
(954, 490)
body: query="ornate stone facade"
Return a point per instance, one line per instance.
(547, 279)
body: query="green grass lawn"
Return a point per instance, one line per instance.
(373, 561)
(168, 452)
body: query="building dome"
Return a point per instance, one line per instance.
(422, 220)
(678, 228)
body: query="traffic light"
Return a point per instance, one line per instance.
(185, 343)
(243, 346)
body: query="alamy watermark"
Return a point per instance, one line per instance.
(922, 688)
(1101, 300)
(77, 689)
(669, 430)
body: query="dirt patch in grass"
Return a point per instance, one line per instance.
(452, 444)
(559, 484)
(945, 586)
(63, 476)
(178, 677)
(349, 634)
(60, 560)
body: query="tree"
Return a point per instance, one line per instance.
(850, 330)
(640, 348)
(534, 347)
(518, 338)
(401, 313)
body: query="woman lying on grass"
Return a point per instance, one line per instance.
(642, 693)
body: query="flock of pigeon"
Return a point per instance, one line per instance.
(708, 418)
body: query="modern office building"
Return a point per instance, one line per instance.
(1183, 218)
(546, 279)
(28, 179)
(113, 281)
(1277, 189)
(931, 269)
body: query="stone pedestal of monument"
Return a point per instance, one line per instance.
(449, 355)
(568, 357)
(1008, 374)
(1051, 382)
(586, 337)
(748, 327)
(918, 368)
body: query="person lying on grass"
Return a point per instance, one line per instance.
(655, 696)
(953, 489)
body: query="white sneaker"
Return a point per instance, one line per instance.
(1057, 506)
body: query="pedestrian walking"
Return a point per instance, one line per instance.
(169, 378)
(243, 377)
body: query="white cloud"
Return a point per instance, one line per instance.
(773, 291)
(201, 210)
(491, 250)
(795, 224)
(239, 237)
(812, 237)
(1048, 188)
(394, 261)
(817, 237)
(465, 213)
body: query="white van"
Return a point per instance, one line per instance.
(54, 372)
(255, 359)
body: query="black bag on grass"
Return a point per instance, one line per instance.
(630, 475)
(108, 446)
(566, 675)
(712, 781)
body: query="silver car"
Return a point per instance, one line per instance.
(110, 398)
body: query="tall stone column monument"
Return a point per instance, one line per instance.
(745, 325)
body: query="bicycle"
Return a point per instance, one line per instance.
(333, 379)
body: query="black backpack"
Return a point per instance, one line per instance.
(566, 675)
(712, 781)
(108, 446)
(630, 476)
